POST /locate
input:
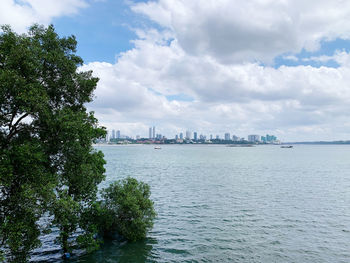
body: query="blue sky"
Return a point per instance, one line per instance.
(103, 30)
(244, 67)
(327, 48)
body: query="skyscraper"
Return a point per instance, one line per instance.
(150, 133)
(118, 134)
(271, 138)
(253, 138)
(181, 135)
(188, 135)
(113, 134)
(227, 137)
(195, 136)
(154, 132)
(107, 137)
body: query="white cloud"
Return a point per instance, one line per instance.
(237, 98)
(210, 50)
(22, 14)
(291, 57)
(235, 31)
(341, 57)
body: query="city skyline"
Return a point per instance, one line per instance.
(189, 135)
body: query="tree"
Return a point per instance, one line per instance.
(125, 209)
(47, 163)
(48, 166)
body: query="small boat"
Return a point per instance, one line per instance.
(157, 148)
(287, 146)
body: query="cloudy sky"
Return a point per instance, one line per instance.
(213, 66)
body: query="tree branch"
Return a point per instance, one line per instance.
(14, 129)
(12, 118)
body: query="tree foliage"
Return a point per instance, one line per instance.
(47, 163)
(48, 166)
(125, 209)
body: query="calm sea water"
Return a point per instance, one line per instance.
(225, 204)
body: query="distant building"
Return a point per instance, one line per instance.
(138, 137)
(176, 137)
(188, 135)
(113, 134)
(253, 138)
(107, 137)
(195, 136)
(181, 136)
(217, 137)
(211, 136)
(235, 138)
(154, 132)
(118, 134)
(150, 133)
(227, 137)
(271, 138)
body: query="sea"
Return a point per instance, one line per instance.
(232, 204)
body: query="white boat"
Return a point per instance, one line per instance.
(287, 146)
(157, 147)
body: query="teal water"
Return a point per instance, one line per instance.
(226, 204)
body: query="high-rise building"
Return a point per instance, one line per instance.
(253, 138)
(113, 134)
(107, 137)
(154, 132)
(150, 133)
(227, 137)
(176, 137)
(217, 137)
(235, 138)
(271, 138)
(118, 134)
(188, 135)
(211, 136)
(181, 135)
(195, 136)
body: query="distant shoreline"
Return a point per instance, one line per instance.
(231, 145)
(321, 143)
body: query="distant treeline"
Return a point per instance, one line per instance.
(321, 142)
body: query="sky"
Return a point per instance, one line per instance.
(277, 67)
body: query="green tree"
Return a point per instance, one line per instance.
(47, 163)
(126, 209)
(48, 166)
